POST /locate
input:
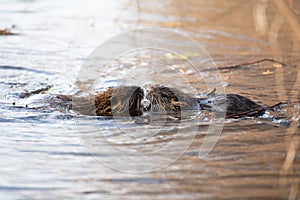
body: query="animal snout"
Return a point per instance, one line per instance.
(145, 104)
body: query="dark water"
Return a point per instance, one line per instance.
(58, 155)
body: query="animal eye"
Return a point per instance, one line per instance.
(108, 109)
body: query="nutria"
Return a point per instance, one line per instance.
(235, 104)
(124, 100)
(134, 101)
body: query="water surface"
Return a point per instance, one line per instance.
(46, 154)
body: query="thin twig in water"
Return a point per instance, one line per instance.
(28, 94)
(246, 64)
(254, 111)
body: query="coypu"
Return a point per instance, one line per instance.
(134, 101)
(119, 100)
(235, 104)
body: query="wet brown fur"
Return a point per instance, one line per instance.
(119, 101)
(127, 101)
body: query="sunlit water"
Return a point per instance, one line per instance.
(65, 155)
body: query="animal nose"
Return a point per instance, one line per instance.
(145, 103)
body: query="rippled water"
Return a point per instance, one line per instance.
(65, 155)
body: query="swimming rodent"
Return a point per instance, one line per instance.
(134, 101)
